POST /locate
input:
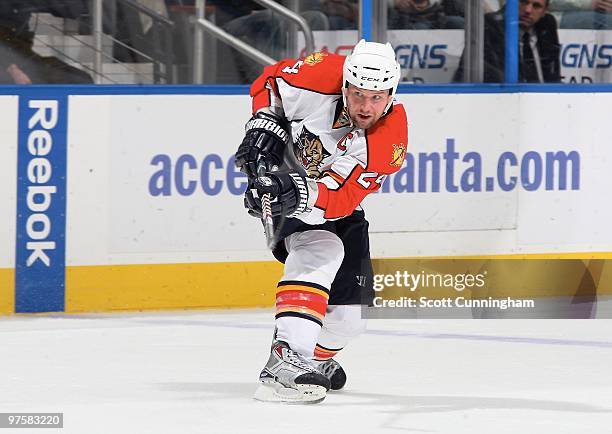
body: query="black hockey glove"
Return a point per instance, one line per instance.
(288, 191)
(266, 137)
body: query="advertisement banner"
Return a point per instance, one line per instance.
(166, 188)
(41, 202)
(586, 56)
(432, 56)
(8, 191)
(8, 186)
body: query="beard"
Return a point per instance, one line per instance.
(364, 123)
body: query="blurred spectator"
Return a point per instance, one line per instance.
(423, 15)
(134, 32)
(19, 64)
(491, 5)
(342, 14)
(455, 8)
(584, 14)
(158, 6)
(539, 47)
(267, 31)
(227, 10)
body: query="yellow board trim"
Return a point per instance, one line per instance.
(171, 286)
(7, 291)
(575, 255)
(501, 276)
(191, 286)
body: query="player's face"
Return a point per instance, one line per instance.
(530, 12)
(365, 107)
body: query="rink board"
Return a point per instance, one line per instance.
(8, 175)
(153, 209)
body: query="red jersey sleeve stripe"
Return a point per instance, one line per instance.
(334, 176)
(343, 201)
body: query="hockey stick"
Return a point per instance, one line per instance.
(266, 210)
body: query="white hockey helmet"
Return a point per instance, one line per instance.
(372, 66)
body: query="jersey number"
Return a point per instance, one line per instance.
(366, 179)
(293, 69)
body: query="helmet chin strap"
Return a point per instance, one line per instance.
(389, 104)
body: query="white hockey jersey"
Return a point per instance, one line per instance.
(347, 163)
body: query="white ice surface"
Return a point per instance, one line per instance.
(195, 372)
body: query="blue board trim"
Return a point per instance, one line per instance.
(43, 90)
(128, 89)
(505, 88)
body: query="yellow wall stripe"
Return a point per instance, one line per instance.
(574, 255)
(171, 286)
(534, 276)
(7, 290)
(202, 285)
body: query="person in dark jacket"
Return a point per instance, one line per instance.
(19, 63)
(539, 46)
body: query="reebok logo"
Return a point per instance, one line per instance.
(39, 170)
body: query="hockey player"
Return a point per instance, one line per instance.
(344, 133)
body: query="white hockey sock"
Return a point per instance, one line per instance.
(301, 334)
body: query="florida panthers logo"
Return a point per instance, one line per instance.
(310, 152)
(399, 153)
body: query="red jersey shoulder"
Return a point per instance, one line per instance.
(320, 72)
(388, 142)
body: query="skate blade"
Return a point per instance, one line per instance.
(304, 394)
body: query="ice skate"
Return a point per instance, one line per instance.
(333, 371)
(290, 378)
